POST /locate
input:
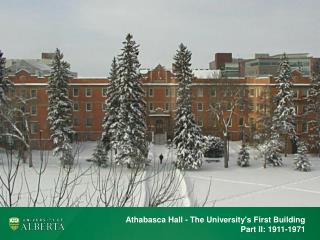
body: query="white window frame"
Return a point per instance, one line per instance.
(89, 126)
(200, 110)
(200, 92)
(254, 92)
(73, 108)
(33, 106)
(151, 107)
(33, 90)
(89, 104)
(152, 91)
(88, 95)
(167, 106)
(73, 90)
(215, 92)
(32, 124)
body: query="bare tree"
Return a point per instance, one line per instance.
(10, 192)
(224, 107)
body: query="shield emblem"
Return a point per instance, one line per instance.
(14, 223)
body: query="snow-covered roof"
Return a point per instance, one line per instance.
(144, 71)
(206, 73)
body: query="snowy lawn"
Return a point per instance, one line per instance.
(255, 185)
(159, 185)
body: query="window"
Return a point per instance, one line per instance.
(33, 93)
(200, 92)
(304, 92)
(75, 92)
(200, 123)
(88, 107)
(200, 107)
(34, 128)
(88, 92)
(150, 92)
(252, 92)
(151, 108)
(75, 106)
(251, 107)
(33, 109)
(241, 122)
(167, 107)
(76, 122)
(89, 122)
(104, 107)
(297, 109)
(304, 127)
(213, 92)
(295, 93)
(168, 92)
(104, 92)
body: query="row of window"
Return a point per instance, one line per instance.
(88, 92)
(88, 107)
(252, 92)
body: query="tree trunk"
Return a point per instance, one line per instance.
(226, 154)
(30, 158)
(286, 146)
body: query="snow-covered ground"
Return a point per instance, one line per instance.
(212, 185)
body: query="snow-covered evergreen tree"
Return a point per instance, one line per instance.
(271, 149)
(244, 156)
(187, 134)
(60, 109)
(110, 123)
(314, 109)
(301, 159)
(100, 155)
(284, 114)
(5, 83)
(130, 137)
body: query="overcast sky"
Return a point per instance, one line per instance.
(90, 32)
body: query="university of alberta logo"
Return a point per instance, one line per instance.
(14, 223)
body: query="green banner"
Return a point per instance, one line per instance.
(159, 223)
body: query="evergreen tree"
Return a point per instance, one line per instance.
(244, 156)
(314, 109)
(5, 83)
(301, 159)
(100, 155)
(60, 109)
(110, 123)
(187, 134)
(130, 136)
(271, 150)
(284, 113)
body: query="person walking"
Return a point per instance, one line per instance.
(161, 158)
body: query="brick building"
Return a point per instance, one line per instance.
(254, 95)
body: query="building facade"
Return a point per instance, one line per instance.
(245, 100)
